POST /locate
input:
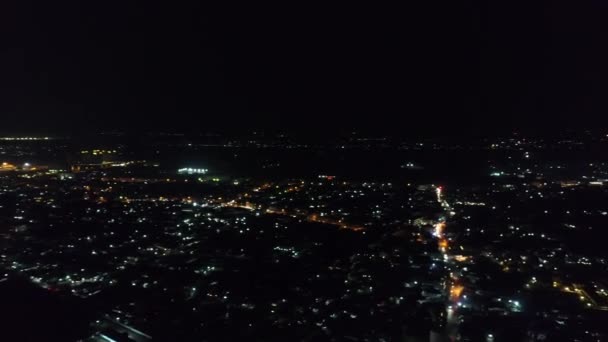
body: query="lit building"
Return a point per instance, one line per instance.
(192, 171)
(7, 167)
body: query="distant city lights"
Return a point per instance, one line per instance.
(25, 138)
(439, 191)
(192, 171)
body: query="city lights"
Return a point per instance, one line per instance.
(192, 171)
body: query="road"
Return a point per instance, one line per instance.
(455, 289)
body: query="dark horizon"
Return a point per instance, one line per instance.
(325, 135)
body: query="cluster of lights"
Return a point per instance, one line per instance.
(9, 166)
(24, 138)
(97, 152)
(191, 171)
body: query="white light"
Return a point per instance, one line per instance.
(106, 338)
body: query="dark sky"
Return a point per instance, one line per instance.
(458, 66)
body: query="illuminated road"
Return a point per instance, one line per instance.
(455, 289)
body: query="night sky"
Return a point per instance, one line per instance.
(447, 66)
